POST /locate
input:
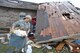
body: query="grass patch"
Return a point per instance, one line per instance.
(5, 48)
(42, 50)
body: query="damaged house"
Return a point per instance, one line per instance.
(55, 21)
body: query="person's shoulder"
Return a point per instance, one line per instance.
(19, 21)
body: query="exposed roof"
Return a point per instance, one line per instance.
(63, 21)
(18, 4)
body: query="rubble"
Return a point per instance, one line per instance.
(58, 21)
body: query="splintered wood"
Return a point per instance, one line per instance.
(63, 19)
(60, 46)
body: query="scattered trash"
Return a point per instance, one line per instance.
(76, 41)
(2, 39)
(47, 46)
(29, 49)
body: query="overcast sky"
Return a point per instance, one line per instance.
(75, 2)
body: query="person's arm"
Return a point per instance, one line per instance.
(29, 28)
(13, 27)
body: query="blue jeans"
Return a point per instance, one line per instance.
(17, 41)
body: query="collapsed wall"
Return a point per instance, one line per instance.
(63, 21)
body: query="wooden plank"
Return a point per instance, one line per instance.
(73, 36)
(60, 46)
(60, 24)
(53, 29)
(67, 25)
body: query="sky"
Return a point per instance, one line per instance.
(75, 2)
